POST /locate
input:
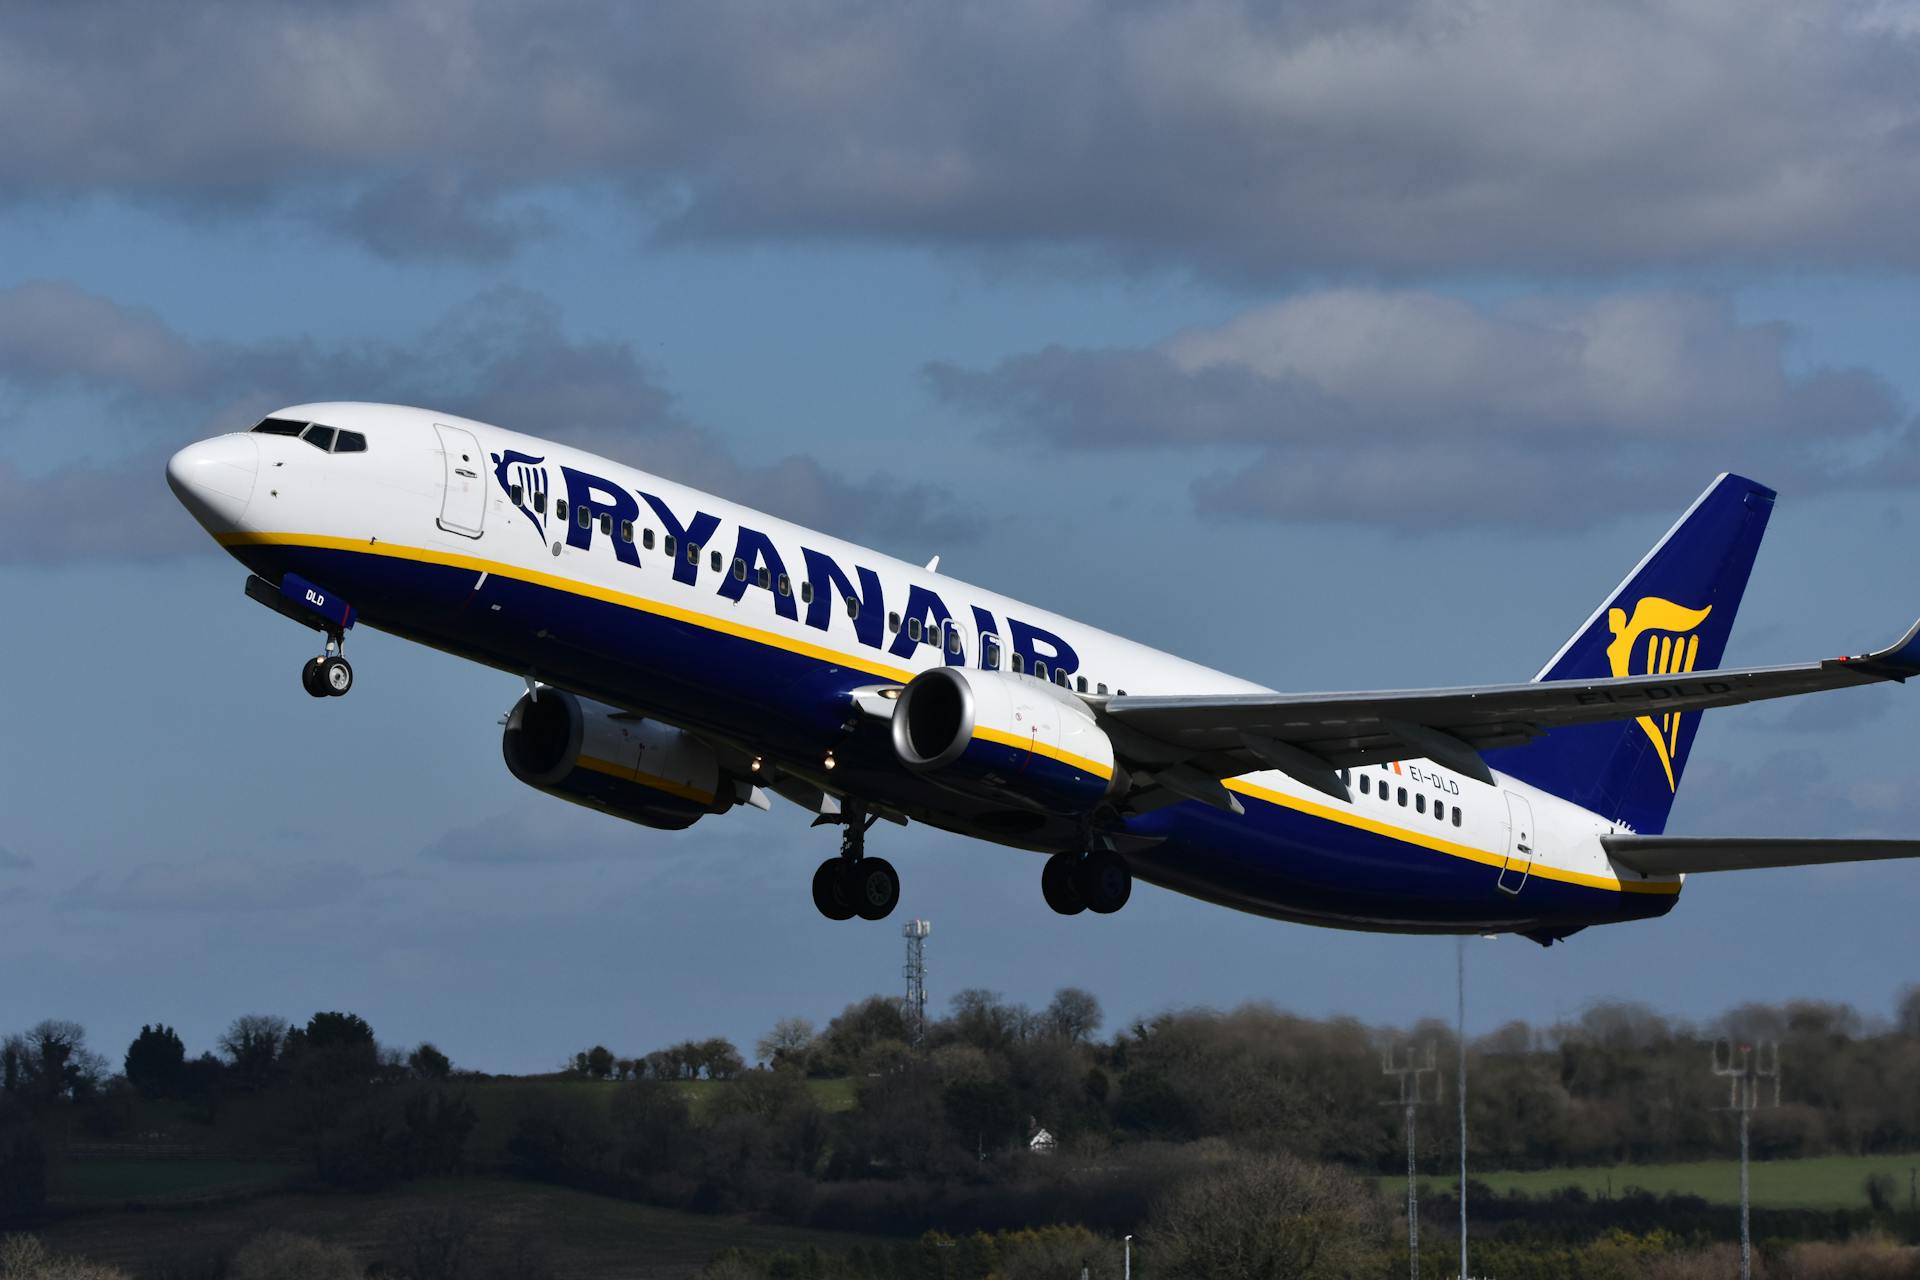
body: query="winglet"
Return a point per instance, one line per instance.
(1896, 662)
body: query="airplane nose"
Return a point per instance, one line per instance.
(214, 479)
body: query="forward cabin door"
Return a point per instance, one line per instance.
(464, 505)
(1520, 841)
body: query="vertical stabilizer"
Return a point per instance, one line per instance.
(1672, 614)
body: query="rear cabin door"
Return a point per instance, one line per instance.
(1520, 842)
(464, 505)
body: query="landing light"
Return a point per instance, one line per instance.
(829, 762)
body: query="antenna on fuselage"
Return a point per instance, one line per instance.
(933, 565)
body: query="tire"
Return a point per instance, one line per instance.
(1104, 882)
(337, 676)
(829, 891)
(1060, 887)
(310, 678)
(873, 886)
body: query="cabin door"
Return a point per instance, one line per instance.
(464, 505)
(1520, 840)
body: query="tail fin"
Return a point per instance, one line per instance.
(1672, 614)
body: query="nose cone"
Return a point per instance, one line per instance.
(214, 479)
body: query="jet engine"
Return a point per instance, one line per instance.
(1004, 736)
(603, 758)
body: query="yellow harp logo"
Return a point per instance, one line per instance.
(1671, 645)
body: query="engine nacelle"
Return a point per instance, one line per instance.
(636, 769)
(1004, 736)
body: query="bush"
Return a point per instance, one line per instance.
(1265, 1218)
(25, 1258)
(279, 1255)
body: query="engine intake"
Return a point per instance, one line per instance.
(1004, 736)
(594, 755)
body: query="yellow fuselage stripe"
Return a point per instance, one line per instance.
(835, 657)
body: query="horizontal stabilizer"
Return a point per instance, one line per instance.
(1678, 855)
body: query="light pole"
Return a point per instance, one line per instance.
(1126, 1272)
(1460, 1042)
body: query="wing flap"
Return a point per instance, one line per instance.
(1680, 855)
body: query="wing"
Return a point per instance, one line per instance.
(1183, 746)
(1676, 855)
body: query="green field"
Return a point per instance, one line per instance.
(582, 1235)
(1820, 1182)
(116, 1180)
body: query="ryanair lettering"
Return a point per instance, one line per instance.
(857, 598)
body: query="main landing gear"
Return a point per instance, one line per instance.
(1098, 881)
(854, 884)
(327, 676)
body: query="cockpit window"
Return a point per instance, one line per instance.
(319, 437)
(349, 442)
(279, 427)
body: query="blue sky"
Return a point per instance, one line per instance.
(1354, 346)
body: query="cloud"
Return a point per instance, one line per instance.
(11, 861)
(1242, 139)
(543, 837)
(217, 884)
(501, 357)
(1411, 409)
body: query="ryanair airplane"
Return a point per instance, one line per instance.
(684, 655)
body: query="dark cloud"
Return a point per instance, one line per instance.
(1410, 409)
(1241, 138)
(502, 357)
(11, 861)
(229, 884)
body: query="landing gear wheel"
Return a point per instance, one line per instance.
(1060, 887)
(873, 886)
(830, 890)
(336, 675)
(311, 678)
(1104, 882)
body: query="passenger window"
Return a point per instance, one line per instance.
(1420, 803)
(806, 592)
(1119, 693)
(583, 516)
(1343, 775)
(1366, 784)
(713, 559)
(1102, 689)
(667, 544)
(1018, 663)
(763, 576)
(349, 442)
(893, 622)
(990, 652)
(693, 554)
(1039, 669)
(560, 510)
(606, 524)
(540, 503)
(1060, 677)
(1403, 797)
(853, 606)
(953, 639)
(515, 492)
(626, 531)
(1080, 684)
(1456, 815)
(785, 587)
(913, 629)
(319, 437)
(1439, 811)
(646, 540)
(739, 569)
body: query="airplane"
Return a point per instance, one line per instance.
(684, 655)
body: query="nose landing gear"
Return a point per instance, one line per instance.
(854, 884)
(327, 676)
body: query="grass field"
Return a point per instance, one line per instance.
(116, 1180)
(1820, 1182)
(582, 1235)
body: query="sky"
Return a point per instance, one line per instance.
(1339, 346)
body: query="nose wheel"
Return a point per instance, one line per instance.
(328, 675)
(854, 884)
